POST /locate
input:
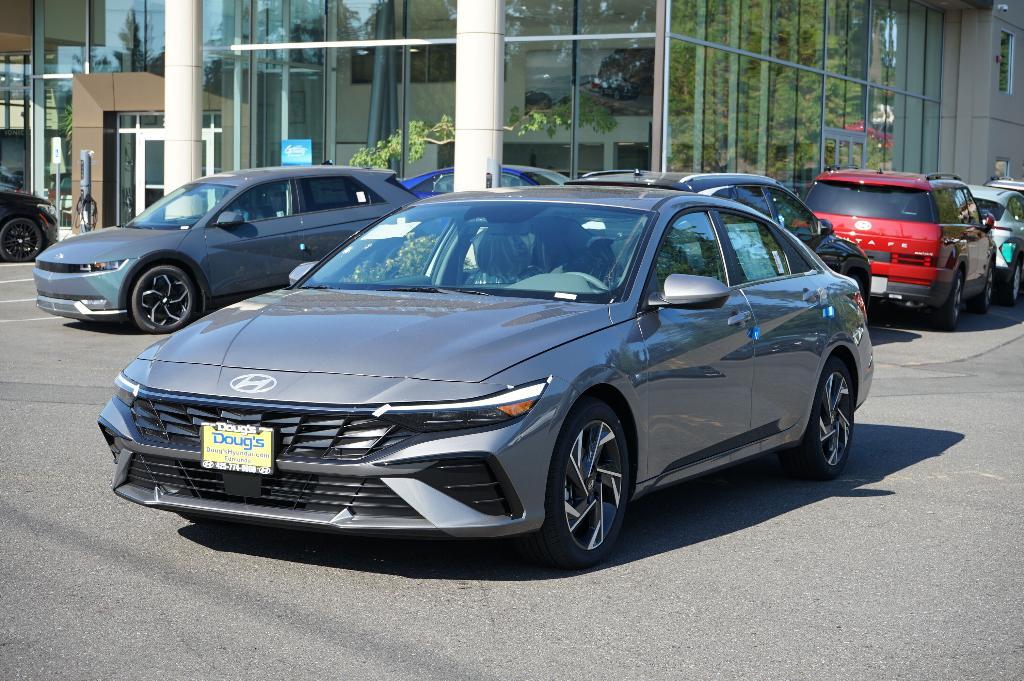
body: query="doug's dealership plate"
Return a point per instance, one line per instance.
(242, 449)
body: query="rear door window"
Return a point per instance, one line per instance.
(333, 192)
(945, 205)
(792, 214)
(752, 197)
(965, 207)
(758, 252)
(869, 201)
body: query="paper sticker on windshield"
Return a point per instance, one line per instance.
(565, 296)
(392, 230)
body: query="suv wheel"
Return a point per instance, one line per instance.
(1009, 292)
(980, 303)
(163, 299)
(587, 489)
(945, 318)
(21, 240)
(825, 448)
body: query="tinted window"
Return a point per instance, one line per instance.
(753, 197)
(792, 214)
(759, 254)
(1016, 207)
(866, 201)
(511, 180)
(690, 246)
(330, 193)
(945, 205)
(506, 248)
(965, 207)
(264, 201)
(993, 207)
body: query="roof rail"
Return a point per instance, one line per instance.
(943, 176)
(837, 168)
(598, 173)
(1004, 178)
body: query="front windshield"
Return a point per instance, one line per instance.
(183, 207)
(530, 249)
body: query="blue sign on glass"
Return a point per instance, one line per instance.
(296, 152)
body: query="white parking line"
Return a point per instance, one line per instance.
(18, 300)
(13, 281)
(31, 319)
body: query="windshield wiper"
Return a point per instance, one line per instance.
(318, 287)
(436, 289)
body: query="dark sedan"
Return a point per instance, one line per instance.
(765, 195)
(28, 224)
(210, 242)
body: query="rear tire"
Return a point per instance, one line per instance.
(587, 490)
(1008, 293)
(980, 303)
(21, 240)
(825, 448)
(947, 317)
(163, 300)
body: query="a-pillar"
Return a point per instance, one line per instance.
(183, 73)
(479, 92)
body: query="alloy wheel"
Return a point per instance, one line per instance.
(165, 300)
(593, 484)
(20, 241)
(833, 423)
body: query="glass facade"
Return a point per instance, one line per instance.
(762, 86)
(781, 87)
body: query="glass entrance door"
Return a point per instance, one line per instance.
(141, 162)
(14, 121)
(842, 149)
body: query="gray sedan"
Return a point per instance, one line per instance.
(505, 363)
(211, 242)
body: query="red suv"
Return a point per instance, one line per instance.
(923, 234)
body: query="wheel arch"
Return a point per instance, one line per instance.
(177, 259)
(846, 356)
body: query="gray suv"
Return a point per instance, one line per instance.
(216, 240)
(506, 363)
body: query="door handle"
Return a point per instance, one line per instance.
(739, 317)
(811, 295)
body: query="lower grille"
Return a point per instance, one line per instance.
(284, 490)
(302, 435)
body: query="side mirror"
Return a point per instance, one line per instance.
(691, 291)
(825, 227)
(299, 272)
(228, 218)
(988, 221)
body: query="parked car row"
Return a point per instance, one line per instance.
(521, 362)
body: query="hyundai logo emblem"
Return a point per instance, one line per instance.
(253, 383)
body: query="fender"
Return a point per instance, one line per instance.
(171, 257)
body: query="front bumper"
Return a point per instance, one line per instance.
(90, 296)
(456, 484)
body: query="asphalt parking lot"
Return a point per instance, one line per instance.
(909, 566)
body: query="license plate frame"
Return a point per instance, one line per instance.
(237, 448)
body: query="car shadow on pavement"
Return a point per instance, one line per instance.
(679, 516)
(894, 318)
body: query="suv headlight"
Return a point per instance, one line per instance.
(484, 411)
(125, 390)
(108, 266)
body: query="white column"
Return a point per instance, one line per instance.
(183, 81)
(479, 92)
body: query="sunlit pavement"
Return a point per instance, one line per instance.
(911, 565)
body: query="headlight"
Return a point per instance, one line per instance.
(125, 390)
(108, 266)
(485, 411)
(48, 209)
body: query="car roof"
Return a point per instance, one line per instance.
(239, 177)
(1006, 183)
(998, 194)
(890, 179)
(693, 182)
(622, 197)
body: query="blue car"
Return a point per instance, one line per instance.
(442, 181)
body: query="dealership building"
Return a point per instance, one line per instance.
(779, 87)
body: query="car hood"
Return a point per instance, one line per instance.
(111, 244)
(445, 337)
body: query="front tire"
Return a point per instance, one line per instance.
(21, 240)
(587, 490)
(825, 448)
(163, 299)
(1008, 293)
